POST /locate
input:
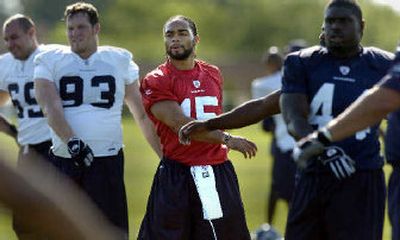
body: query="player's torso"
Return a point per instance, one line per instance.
(332, 85)
(18, 81)
(92, 92)
(199, 94)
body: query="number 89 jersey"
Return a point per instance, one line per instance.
(199, 93)
(16, 77)
(331, 85)
(92, 92)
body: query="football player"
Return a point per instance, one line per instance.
(195, 193)
(81, 90)
(339, 194)
(16, 82)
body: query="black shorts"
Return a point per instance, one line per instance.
(394, 202)
(324, 208)
(103, 181)
(283, 173)
(174, 210)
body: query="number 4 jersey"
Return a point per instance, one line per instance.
(199, 93)
(16, 77)
(331, 85)
(92, 92)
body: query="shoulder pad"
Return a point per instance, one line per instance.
(378, 58)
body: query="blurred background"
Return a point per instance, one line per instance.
(234, 33)
(234, 36)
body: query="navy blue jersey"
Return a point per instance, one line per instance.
(331, 85)
(392, 138)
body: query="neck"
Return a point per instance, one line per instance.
(186, 64)
(344, 52)
(87, 53)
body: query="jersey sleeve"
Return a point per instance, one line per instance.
(43, 67)
(294, 79)
(155, 88)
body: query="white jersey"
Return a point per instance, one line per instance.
(16, 77)
(263, 86)
(92, 92)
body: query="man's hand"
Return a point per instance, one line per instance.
(193, 127)
(341, 165)
(80, 152)
(310, 146)
(246, 147)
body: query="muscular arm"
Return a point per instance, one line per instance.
(133, 100)
(295, 110)
(170, 113)
(367, 110)
(49, 100)
(6, 126)
(247, 113)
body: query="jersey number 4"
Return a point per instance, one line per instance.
(71, 91)
(321, 109)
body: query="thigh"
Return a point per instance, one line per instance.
(304, 219)
(232, 226)
(394, 203)
(104, 183)
(283, 173)
(168, 208)
(356, 209)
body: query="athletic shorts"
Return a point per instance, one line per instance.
(394, 202)
(329, 209)
(174, 210)
(283, 174)
(103, 181)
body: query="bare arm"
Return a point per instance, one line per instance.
(367, 110)
(295, 110)
(247, 113)
(133, 100)
(4, 97)
(49, 100)
(170, 113)
(6, 126)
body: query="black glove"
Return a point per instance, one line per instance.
(80, 152)
(341, 165)
(312, 145)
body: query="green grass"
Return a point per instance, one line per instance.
(140, 165)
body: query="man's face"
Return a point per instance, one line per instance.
(179, 40)
(82, 36)
(20, 44)
(342, 29)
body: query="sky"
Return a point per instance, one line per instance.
(395, 4)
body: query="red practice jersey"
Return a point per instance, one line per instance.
(199, 93)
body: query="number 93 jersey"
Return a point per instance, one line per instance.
(331, 85)
(92, 92)
(16, 77)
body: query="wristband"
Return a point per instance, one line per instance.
(324, 136)
(226, 138)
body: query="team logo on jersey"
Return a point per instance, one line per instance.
(344, 70)
(196, 83)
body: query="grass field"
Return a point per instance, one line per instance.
(140, 165)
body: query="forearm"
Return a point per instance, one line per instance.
(7, 127)
(368, 110)
(150, 134)
(247, 113)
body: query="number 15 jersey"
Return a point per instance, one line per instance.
(92, 92)
(331, 85)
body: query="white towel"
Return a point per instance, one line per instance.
(204, 179)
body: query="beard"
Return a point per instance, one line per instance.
(180, 56)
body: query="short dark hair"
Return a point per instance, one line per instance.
(352, 5)
(24, 22)
(191, 23)
(82, 7)
(273, 56)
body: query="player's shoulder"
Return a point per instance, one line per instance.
(306, 55)
(115, 52)
(53, 53)
(205, 66)
(6, 62)
(50, 47)
(378, 58)
(160, 73)
(6, 58)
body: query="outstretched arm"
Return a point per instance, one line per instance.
(133, 100)
(6, 126)
(367, 110)
(170, 113)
